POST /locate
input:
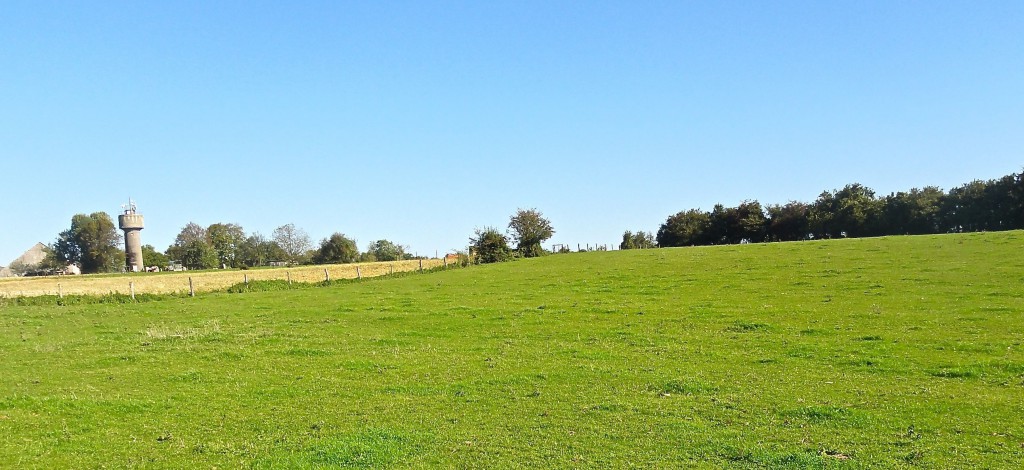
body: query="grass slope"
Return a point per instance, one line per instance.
(890, 352)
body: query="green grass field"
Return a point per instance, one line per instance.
(889, 352)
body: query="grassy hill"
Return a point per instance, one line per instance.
(887, 352)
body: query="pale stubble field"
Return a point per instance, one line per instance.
(202, 281)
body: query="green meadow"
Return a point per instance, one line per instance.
(886, 352)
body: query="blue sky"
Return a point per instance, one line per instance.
(420, 121)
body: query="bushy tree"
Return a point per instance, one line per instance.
(257, 250)
(92, 242)
(189, 234)
(857, 211)
(336, 249)
(788, 222)
(386, 250)
(198, 254)
(153, 257)
(530, 229)
(916, 212)
(638, 240)
(294, 242)
(685, 228)
(226, 241)
(490, 246)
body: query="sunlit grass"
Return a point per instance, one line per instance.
(890, 352)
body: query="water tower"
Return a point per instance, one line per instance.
(132, 224)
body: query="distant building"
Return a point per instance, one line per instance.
(29, 259)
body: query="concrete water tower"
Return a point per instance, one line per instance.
(132, 224)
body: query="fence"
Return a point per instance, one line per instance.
(199, 281)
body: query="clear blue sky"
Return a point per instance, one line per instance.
(419, 121)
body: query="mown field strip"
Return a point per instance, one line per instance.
(203, 281)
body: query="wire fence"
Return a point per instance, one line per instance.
(202, 281)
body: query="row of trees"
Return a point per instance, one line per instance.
(855, 211)
(94, 243)
(227, 245)
(527, 227)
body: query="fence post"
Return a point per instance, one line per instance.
(358, 275)
(60, 292)
(131, 288)
(446, 262)
(391, 269)
(245, 279)
(421, 264)
(289, 275)
(191, 289)
(327, 275)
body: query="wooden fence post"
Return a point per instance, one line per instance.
(245, 279)
(446, 262)
(131, 288)
(358, 275)
(391, 269)
(421, 264)
(327, 275)
(289, 275)
(60, 292)
(191, 289)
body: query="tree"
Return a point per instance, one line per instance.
(256, 250)
(385, 250)
(336, 249)
(857, 212)
(198, 254)
(191, 232)
(636, 241)
(789, 222)
(685, 228)
(916, 212)
(530, 229)
(92, 242)
(751, 221)
(153, 257)
(294, 242)
(226, 240)
(489, 245)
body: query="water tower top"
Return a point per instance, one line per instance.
(130, 207)
(130, 220)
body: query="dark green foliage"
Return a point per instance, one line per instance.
(92, 242)
(256, 250)
(637, 241)
(855, 211)
(198, 254)
(386, 250)
(789, 222)
(488, 245)
(226, 241)
(530, 229)
(336, 249)
(153, 257)
(685, 229)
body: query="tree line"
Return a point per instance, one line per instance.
(854, 211)
(94, 244)
(228, 246)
